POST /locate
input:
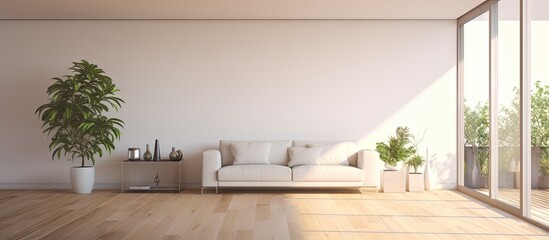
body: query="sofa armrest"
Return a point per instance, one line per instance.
(211, 162)
(370, 163)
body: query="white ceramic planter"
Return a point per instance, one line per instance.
(395, 168)
(82, 179)
(393, 181)
(415, 182)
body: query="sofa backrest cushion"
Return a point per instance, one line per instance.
(252, 153)
(351, 149)
(278, 154)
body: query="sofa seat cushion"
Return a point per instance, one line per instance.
(327, 173)
(254, 173)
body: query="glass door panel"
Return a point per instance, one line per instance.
(508, 92)
(540, 110)
(476, 97)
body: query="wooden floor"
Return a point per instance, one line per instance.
(248, 214)
(539, 198)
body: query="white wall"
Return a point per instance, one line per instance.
(191, 83)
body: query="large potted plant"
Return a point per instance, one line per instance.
(396, 150)
(74, 119)
(476, 145)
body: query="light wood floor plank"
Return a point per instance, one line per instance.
(279, 221)
(244, 235)
(258, 214)
(200, 221)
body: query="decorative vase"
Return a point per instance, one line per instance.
(173, 154)
(429, 174)
(147, 155)
(156, 156)
(82, 179)
(180, 155)
(544, 180)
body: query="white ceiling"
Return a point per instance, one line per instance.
(235, 9)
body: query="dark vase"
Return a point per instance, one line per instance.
(156, 156)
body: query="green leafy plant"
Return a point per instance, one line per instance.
(416, 160)
(539, 124)
(476, 125)
(540, 115)
(509, 134)
(483, 160)
(74, 114)
(397, 148)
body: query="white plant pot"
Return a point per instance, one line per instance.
(82, 179)
(395, 168)
(415, 182)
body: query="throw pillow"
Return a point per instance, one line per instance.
(304, 156)
(251, 152)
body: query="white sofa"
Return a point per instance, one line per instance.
(357, 168)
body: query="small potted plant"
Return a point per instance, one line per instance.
(74, 119)
(396, 150)
(415, 181)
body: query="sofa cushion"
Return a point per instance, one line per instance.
(334, 154)
(304, 156)
(251, 153)
(333, 148)
(326, 173)
(254, 173)
(278, 154)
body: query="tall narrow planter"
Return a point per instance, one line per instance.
(82, 179)
(543, 182)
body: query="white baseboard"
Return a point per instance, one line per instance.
(67, 186)
(104, 186)
(41, 186)
(56, 186)
(446, 186)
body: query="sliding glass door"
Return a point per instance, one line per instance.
(508, 95)
(539, 24)
(476, 97)
(503, 106)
